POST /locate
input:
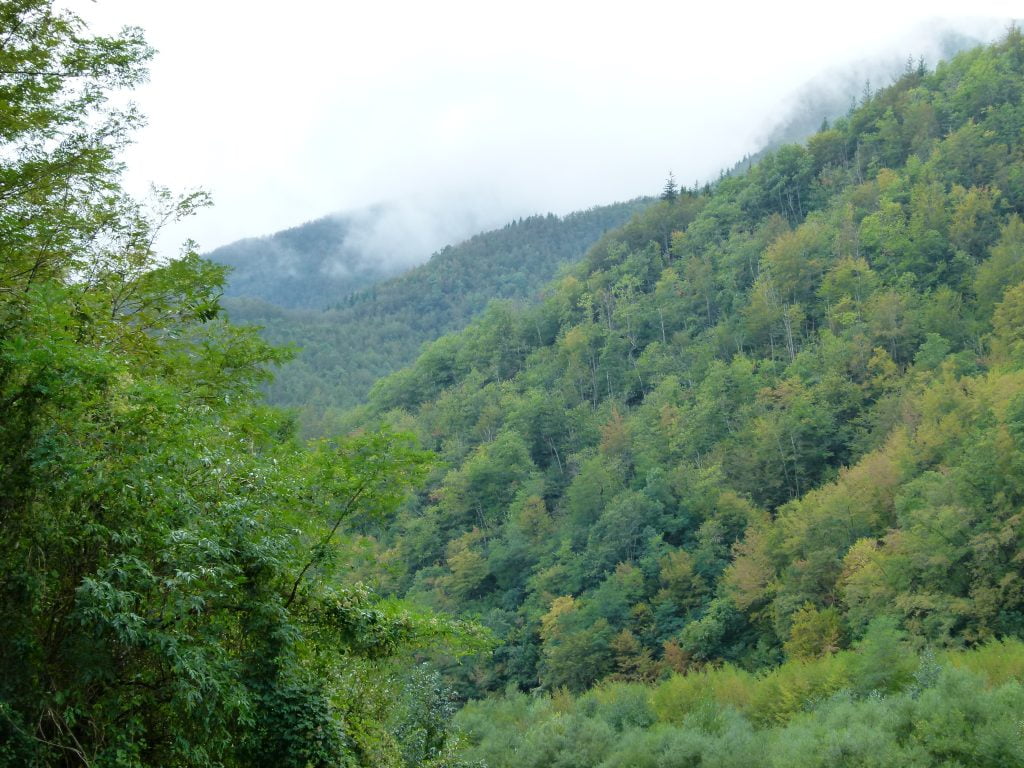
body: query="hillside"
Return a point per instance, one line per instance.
(319, 264)
(310, 266)
(830, 95)
(371, 333)
(749, 422)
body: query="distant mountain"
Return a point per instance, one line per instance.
(379, 329)
(305, 266)
(317, 264)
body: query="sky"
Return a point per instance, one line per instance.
(470, 113)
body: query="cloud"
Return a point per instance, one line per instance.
(487, 111)
(405, 233)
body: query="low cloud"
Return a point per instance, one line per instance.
(478, 114)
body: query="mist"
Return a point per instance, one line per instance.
(834, 91)
(403, 233)
(460, 117)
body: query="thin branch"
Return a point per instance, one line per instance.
(326, 540)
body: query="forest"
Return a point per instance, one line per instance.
(742, 486)
(375, 328)
(757, 435)
(304, 267)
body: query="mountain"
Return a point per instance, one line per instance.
(318, 264)
(307, 266)
(833, 94)
(743, 486)
(758, 426)
(372, 332)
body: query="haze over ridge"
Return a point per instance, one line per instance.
(489, 116)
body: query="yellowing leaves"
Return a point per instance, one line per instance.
(467, 565)
(750, 574)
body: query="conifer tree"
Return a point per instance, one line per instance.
(670, 191)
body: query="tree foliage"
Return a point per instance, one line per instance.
(781, 406)
(944, 711)
(173, 588)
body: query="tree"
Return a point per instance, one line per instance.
(670, 191)
(58, 169)
(1003, 268)
(814, 633)
(576, 652)
(170, 589)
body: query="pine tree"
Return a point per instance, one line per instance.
(670, 191)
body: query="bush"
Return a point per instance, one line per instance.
(566, 741)
(620, 705)
(960, 722)
(998, 661)
(846, 731)
(796, 686)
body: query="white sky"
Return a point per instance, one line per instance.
(287, 111)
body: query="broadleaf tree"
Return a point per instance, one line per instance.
(171, 588)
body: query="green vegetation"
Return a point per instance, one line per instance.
(749, 421)
(172, 591)
(831, 94)
(372, 333)
(926, 712)
(743, 488)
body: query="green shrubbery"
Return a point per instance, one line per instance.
(839, 710)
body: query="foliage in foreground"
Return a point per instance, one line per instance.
(171, 591)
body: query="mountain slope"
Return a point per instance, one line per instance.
(832, 94)
(748, 421)
(373, 332)
(309, 266)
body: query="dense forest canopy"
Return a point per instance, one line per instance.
(372, 332)
(750, 423)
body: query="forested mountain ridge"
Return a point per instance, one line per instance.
(367, 334)
(310, 266)
(744, 488)
(749, 421)
(830, 95)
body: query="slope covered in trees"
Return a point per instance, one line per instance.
(749, 421)
(369, 334)
(172, 591)
(311, 266)
(878, 705)
(832, 94)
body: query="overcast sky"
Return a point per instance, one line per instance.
(287, 111)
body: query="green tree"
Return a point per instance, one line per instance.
(670, 191)
(170, 581)
(814, 633)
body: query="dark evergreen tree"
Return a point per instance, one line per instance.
(670, 191)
